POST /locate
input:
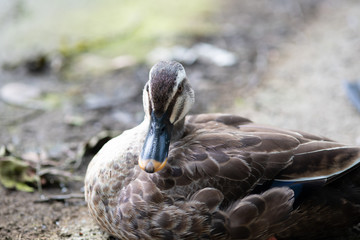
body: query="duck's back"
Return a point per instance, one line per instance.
(236, 155)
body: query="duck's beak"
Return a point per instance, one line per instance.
(155, 151)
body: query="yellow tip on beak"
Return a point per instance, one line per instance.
(151, 165)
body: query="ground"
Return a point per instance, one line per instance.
(293, 60)
(304, 85)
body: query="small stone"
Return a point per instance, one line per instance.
(202, 51)
(65, 234)
(21, 94)
(215, 55)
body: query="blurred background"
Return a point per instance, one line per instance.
(72, 73)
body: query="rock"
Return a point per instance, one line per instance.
(215, 55)
(204, 52)
(21, 94)
(37, 63)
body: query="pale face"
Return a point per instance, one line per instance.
(168, 90)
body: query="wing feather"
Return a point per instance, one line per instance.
(221, 146)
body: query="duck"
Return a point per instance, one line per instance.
(218, 176)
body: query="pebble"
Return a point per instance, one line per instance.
(215, 55)
(21, 94)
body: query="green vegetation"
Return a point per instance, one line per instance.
(15, 173)
(105, 27)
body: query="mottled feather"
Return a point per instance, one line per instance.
(216, 181)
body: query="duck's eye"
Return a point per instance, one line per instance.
(180, 88)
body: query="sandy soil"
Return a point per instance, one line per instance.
(300, 87)
(304, 85)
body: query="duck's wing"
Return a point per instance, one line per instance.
(233, 148)
(316, 157)
(325, 161)
(214, 148)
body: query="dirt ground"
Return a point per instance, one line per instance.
(293, 61)
(304, 85)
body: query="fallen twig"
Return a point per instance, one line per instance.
(60, 198)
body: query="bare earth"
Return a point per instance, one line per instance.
(301, 88)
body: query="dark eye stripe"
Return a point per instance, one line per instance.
(173, 102)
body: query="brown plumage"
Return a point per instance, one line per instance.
(223, 175)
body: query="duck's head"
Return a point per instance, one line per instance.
(167, 98)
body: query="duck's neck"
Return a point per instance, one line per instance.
(178, 130)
